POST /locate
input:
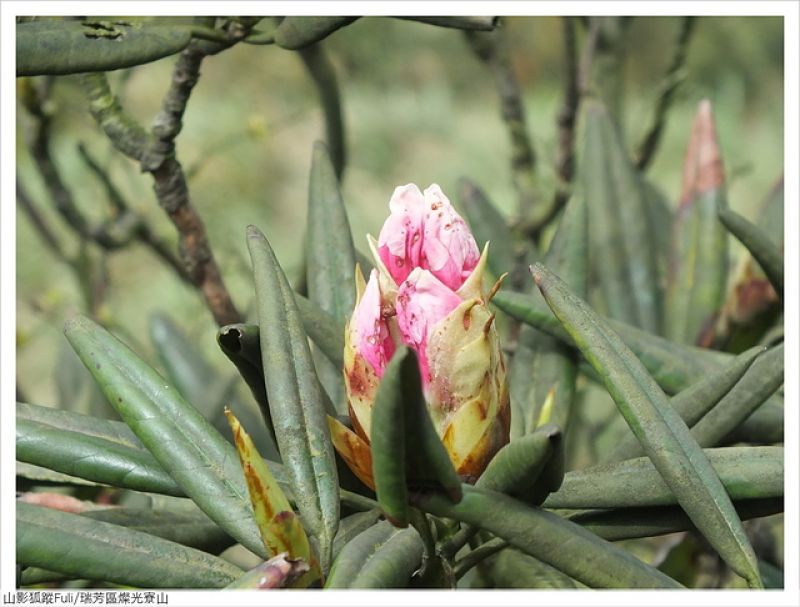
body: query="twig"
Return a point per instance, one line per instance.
(156, 154)
(565, 156)
(40, 224)
(482, 552)
(673, 78)
(134, 222)
(321, 71)
(491, 48)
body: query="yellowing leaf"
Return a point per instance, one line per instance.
(279, 526)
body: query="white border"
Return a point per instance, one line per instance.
(790, 11)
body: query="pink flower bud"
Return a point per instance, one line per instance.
(400, 240)
(427, 293)
(425, 231)
(422, 301)
(448, 249)
(371, 332)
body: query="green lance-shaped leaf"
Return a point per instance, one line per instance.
(514, 569)
(380, 557)
(91, 549)
(488, 225)
(406, 450)
(663, 434)
(554, 364)
(326, 332)
(759, 382)
(296, 399)
(353, 525)
(629, 523)
(543, 535)
(659, 214)
(193, 529)
(197, 380)
(331, 260)
(764, 426)
(110, 430)
(699, 249)
(463, 23)
(241, 343)
(192, 452)
(620, 239)
(55, 47)
(280, 527)
(674, 366)
(95, 459)
(528, 468)
(745, 473)
(695, 401)
(297, 32)
(38, 475)
(761, 247)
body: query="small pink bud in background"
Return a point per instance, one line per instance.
(422, 301)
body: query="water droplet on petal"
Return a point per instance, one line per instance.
(372, 340)
(399, 263)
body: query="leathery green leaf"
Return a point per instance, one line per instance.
(197, 380)
(107, 429)
(295, 32)
(331, 260)
(528, 468)
(193, 453)
(759, 382)
(85, 548)
(663, 434)
(630, 523)
(674, 366)
(461, 22)
(764, 426)
(54, 47)
(388, 443)
(745, 472)
(241, 343)
(280, 527)
(761, 247)
(326, 333)
(380, 557)
(353, 525)
(514, 569)
(561, 544)
(93, 458)
(699, 248)
(620, 239)
(296, 399)
(554, 364)
(406, 450)
(694, 402)
(193, 529)
(488, 225)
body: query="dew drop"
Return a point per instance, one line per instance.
(399, 263)
(371, 340)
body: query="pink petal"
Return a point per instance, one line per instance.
(400, 240)
(449, 250)
(372, 338)
(422, 301)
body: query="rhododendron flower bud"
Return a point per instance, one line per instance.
(427, 293)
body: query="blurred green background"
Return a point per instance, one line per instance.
(419, 107)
